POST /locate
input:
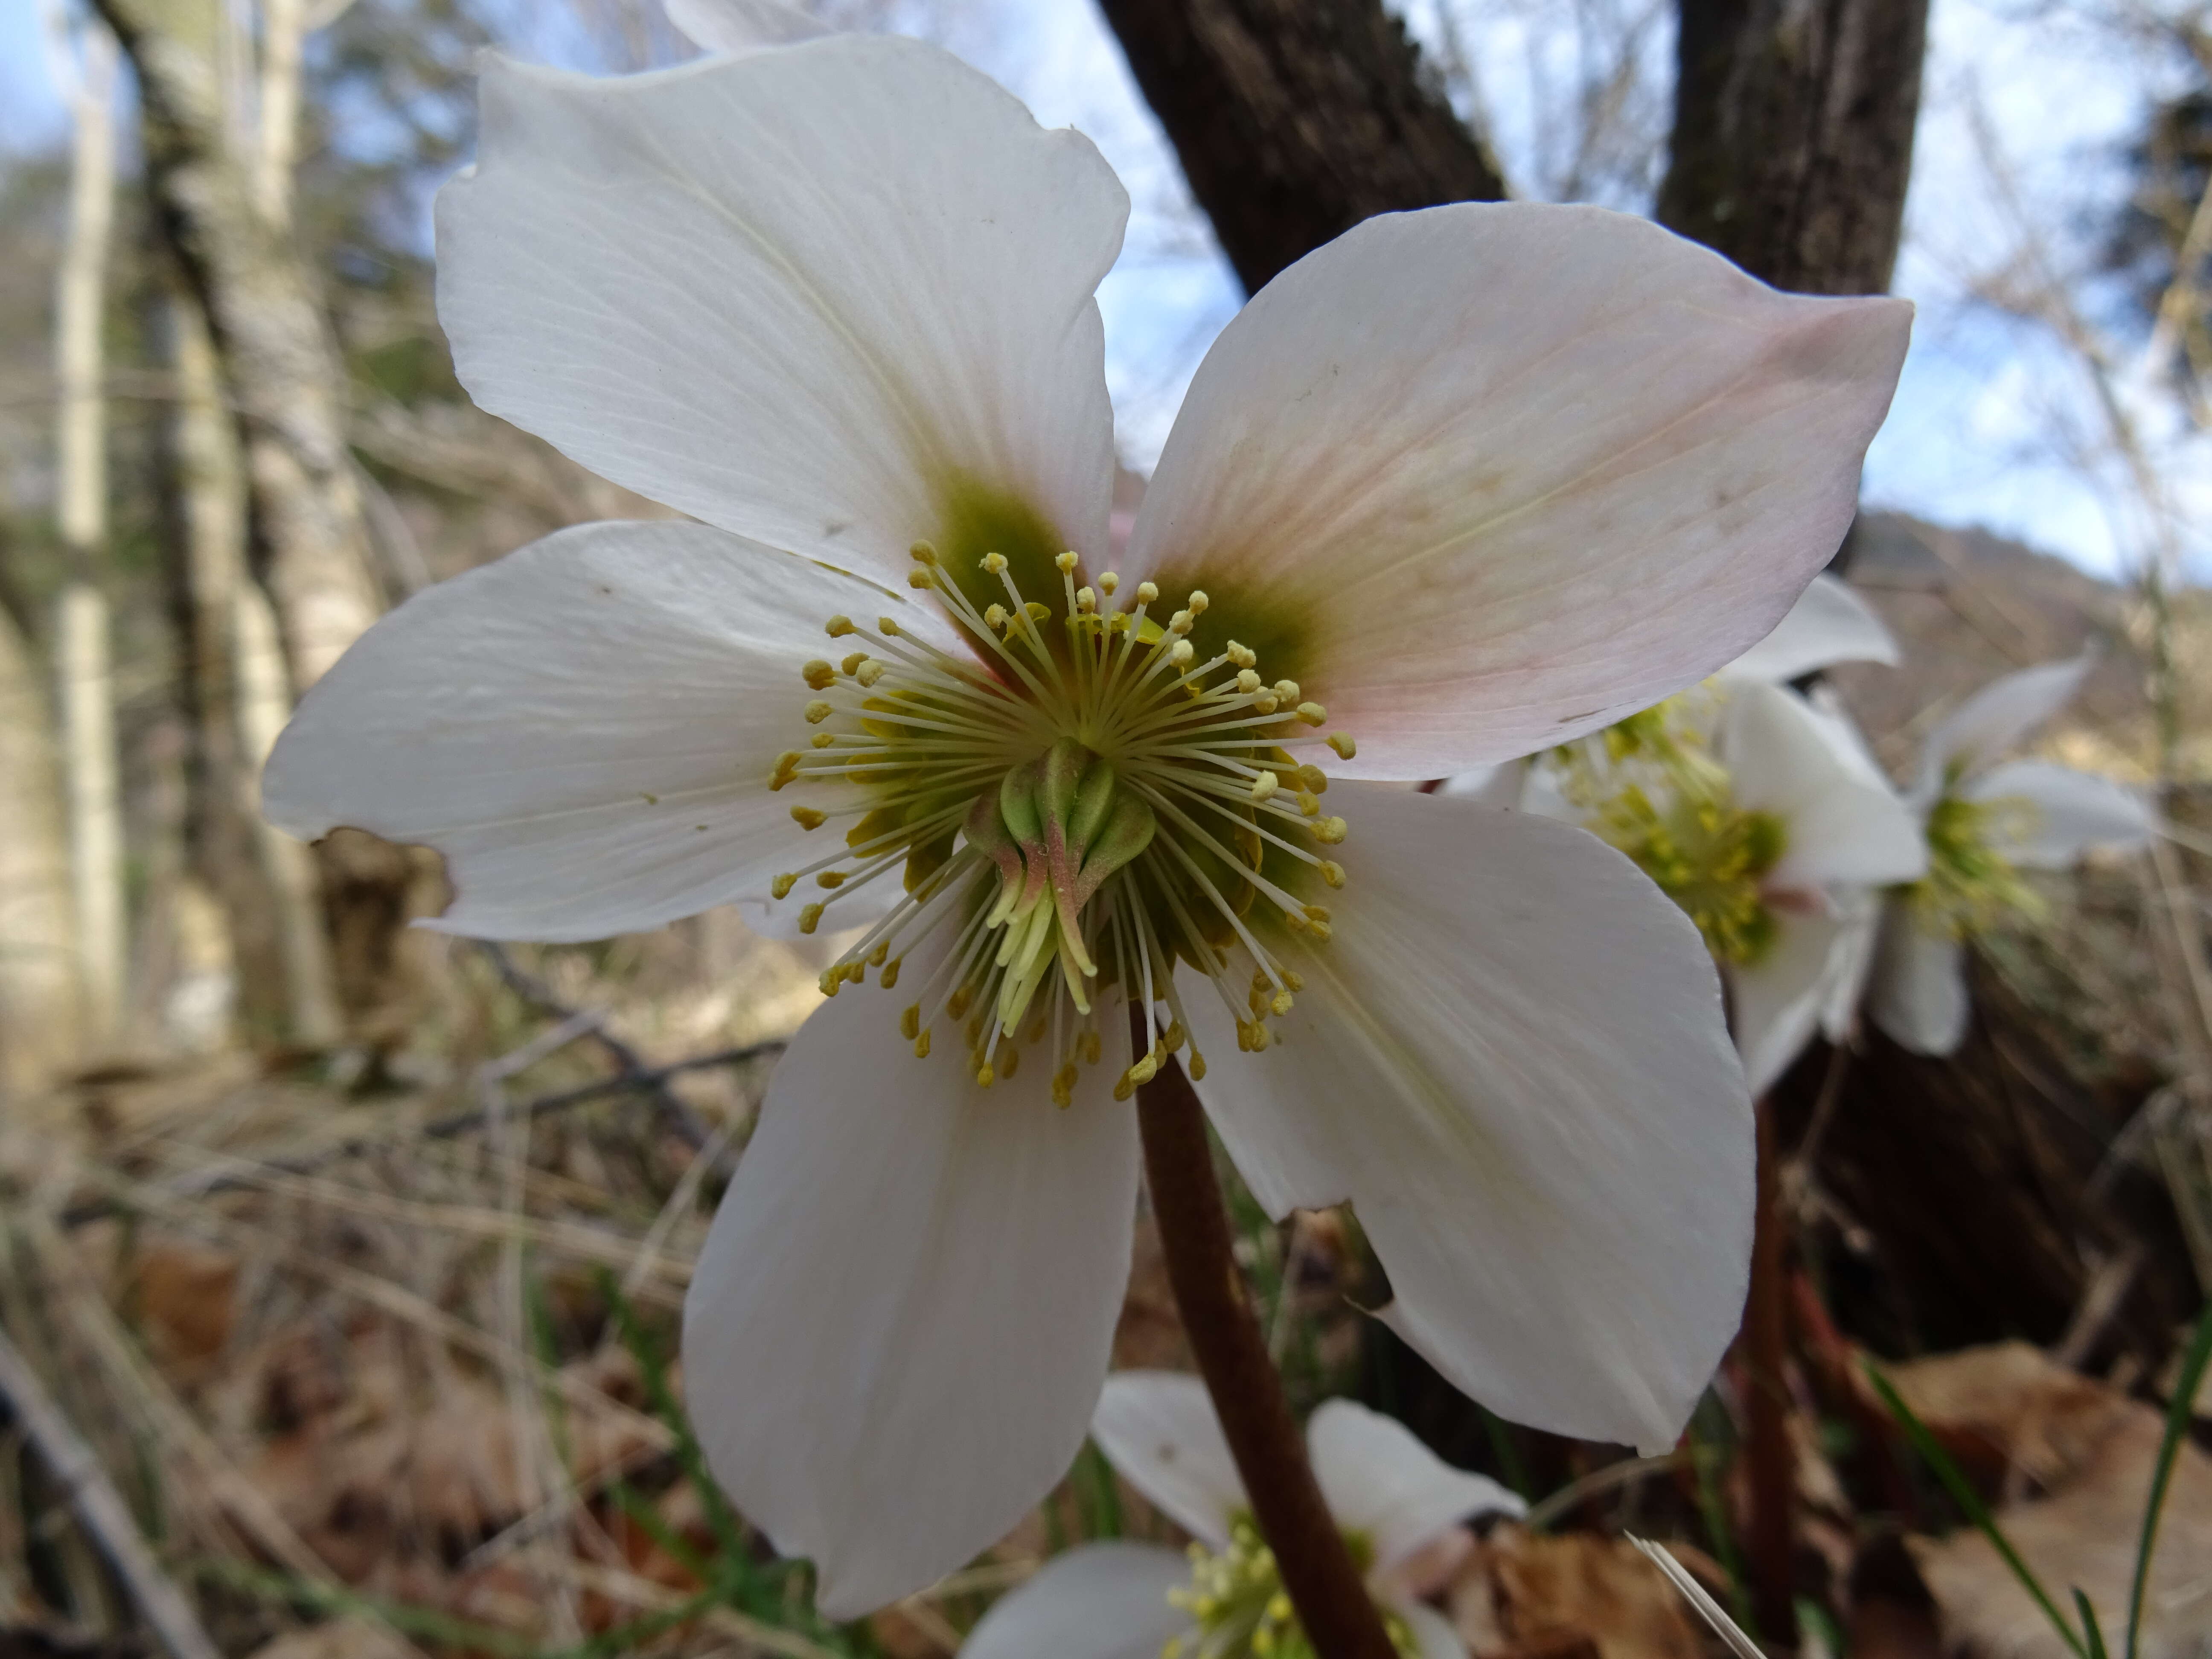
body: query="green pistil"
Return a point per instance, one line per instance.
(1969, 888)
(1708, 855)
(1237, 1602)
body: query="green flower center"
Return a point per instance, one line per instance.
(1237, 1600)
(1083, 805)
(1709, 855)
(1970, 887)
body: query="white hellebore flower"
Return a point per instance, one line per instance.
(1984, 821)
(1391, 1495)
(1465, 481)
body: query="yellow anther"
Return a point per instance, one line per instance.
(1342, 742)
(1292, 982)
(832, 979)
(994, 563)
(1123, 1088)
(818, 711)
(1247, 681)
(957, 1004)
(1091, 1048)
(1243, 656)
(1281, 1003)
(1085, 600)
(1066, 561)
(1259, 1037)
(1295, 921)
(921, 1047)
(1146, 592)
(924, 553)
(1329, 831)
(1317, 913)
(786, 768)
(1320, 930)
(1197, 1067)
(1144, 1071)
(782, 884)
(1107, 583)
(884, 949)
(1313, 714)
(887, 626)
(995, 617)
(870, 671)
(888, 978)
(1037, 612)
(1175, 1039)
(1063, 1086)
(1198, 602)
(821, 740)
(810, 918)
(1264, 785)
(817, 675)
(920, 578)
(830, 879)
(851, 664)
(1181, 653)
(1331, 872)
(1010, 1060)
(1288, 690)
(1264, 702)
(809, 818)
(1310, 805)
(837, 626)
(1312, 777)
(1180, 622)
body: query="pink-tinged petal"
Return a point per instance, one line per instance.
(1829, 624)
(1384, 1483)
(898, 1330)
(1486, 476)
(1511, 1059)
(2000, 716)
(735, 29)
(1917, 993)
(835, 296)
(1843, 821)
(2048, 816)
(1779, 1000)
(1503, 784)
(1100, 1602)
(1158, 1428)
(585, 728)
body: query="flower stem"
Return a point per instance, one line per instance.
(1773, 1473)
(1338, 1617)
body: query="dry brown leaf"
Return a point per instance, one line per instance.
(186, 1298)
(2011, 1403)
(2083, 1536)
(1523, 1594)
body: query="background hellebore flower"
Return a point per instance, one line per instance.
(1394, 1498)
(1984, 821)
(1466, 482)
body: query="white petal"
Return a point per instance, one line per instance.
(1380, 1480)
(1160, 1429)
(898, 1330)
(1511, 1059)
(1830, 623)
(1850, 959)
(585, 729)
(2050, 815)
(1484, 477)
(1843, 822)
(1918, 991)
(1501, 785)
(1433, 1635)
(1778, 1000)
(737, 28)
(1998, 717)
(823, 295)
(1101, 1601)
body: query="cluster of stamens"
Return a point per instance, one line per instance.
(1082, 803)
(1970, 886)
(1238, 1604)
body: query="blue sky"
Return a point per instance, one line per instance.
(1971, 438)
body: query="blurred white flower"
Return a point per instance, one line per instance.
(1395, 1500)
(1829, 624)
(1984, 821)
(1467, 482)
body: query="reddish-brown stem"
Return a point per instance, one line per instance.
(1773, 1464)
(1324, 1585)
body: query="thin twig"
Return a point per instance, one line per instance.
(1598, 1482)
(101, 1509)
(1332, 1604)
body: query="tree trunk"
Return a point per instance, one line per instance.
(38, 1022)
(236, 687)
(283, 28)
(1295, 119)
(1793, 136)
(81, 643)
(278, 354)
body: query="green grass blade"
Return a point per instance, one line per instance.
(2177, 1412)
(1962, 1491)
(2090, 1627)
